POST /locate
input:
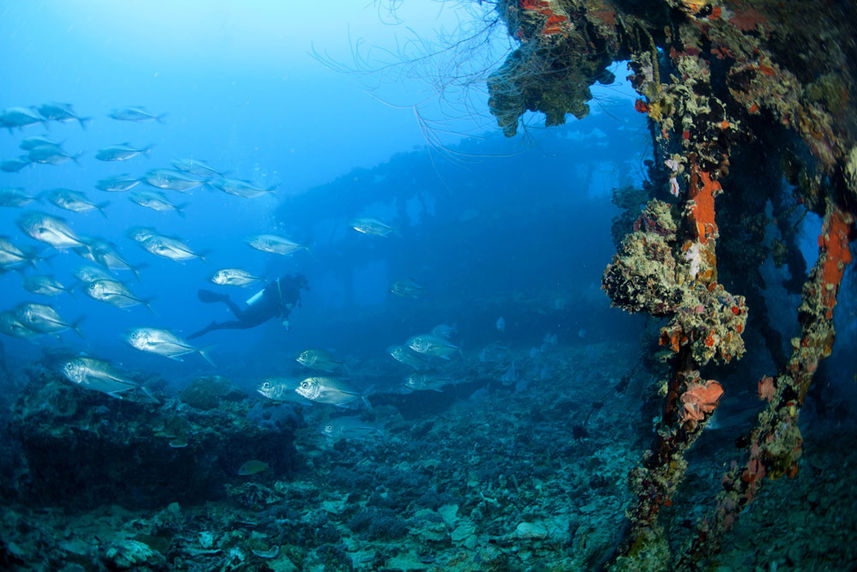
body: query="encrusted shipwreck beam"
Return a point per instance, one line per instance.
(657, 273)
(775, 442)
(712, 75)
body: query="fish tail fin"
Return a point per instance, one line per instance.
(148, 394)
(33, 257)
(147, 151)
(83, 121)
(136, 270)
(76, 326)
(147, 302)
(76, 158)
(160, 118)
(180, 209)
(202, 254)
(204, 353)
(100, 206)
(364, 396)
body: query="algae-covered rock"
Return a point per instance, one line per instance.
(531, 531)
(88, 449)
(127, 553)
(208, 392)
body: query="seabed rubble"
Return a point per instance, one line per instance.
(500, 479)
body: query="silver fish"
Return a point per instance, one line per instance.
(328, 390)
(100, 375)
(495, 353)
(11, 256)
(44, 285)
(50, 229)
(369, 225)
(117, 184)
(406, 289)
(43, 319)
(115, 293)
(74, 201)
(105, 253)
(135, 114)
(51, 155)
(121, 152)
(156, 201)
(164, 343)
(351, 427)
(15, 197)
(140, 233)
(170, 247)
(426, 382)
(171, 180)
(15, 165)
(61, 112)
(197, 168)
(233, 277)
(12, 326)
(444, 330)
(273, 244)
(407, 356)
(281, 389)
(87, 274)
(240, 188)
(28, 143)
(319, 359)
(18, 117)
(431, 345)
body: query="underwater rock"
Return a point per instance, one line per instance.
(465, 533)
(84, 449)
(129, 553)
(207, 392)
(531, 531)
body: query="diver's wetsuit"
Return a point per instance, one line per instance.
(276, 300)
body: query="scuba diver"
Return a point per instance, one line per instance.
(277, 299)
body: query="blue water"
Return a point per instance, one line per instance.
(260, 102)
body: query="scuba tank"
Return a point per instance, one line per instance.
(255, 297)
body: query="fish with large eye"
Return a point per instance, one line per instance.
(329, 390)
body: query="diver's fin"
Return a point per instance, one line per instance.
(209, 297)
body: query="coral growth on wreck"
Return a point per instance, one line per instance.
(714, 78)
